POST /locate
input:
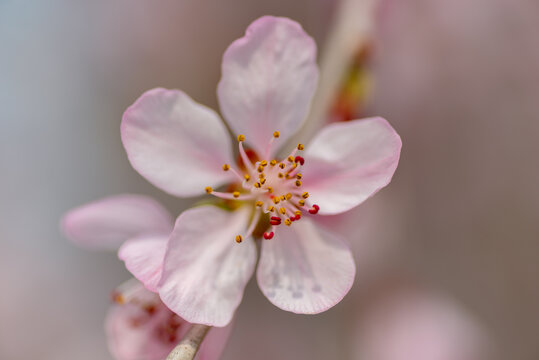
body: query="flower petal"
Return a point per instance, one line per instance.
(175, 143)
(105, 224)
(205, 270)
(305, 269)
(346, 163)
(268, 80)
(143, 257)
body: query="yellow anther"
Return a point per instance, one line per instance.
(236, 194)
(264, 163)
(283, 198)
(257, 185)
(271, 208)
(239, 238)
(297, 212)
(301, 147)
(280, 175)
(270, 189)
(299, 176)
(282, 210)
(276, 200)
(305, 195)
(273, 162)
(295, 165)
(247, 177)
(288, 196)
(290, 158)
(260, 169)
(259, 203)
(282, 165)
(298, 183)
(226, 167)
(301, 202)
(241, 138)
(288, 222)
(208, 189)
(276, 134)
(263, 181)
(262, 175)
(287, 176)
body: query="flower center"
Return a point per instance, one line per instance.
(274, 187)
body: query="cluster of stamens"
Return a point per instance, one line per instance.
(273, 186)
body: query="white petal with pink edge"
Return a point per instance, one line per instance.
(205, 270)
(105, 224)
(268, 80)
(143, 257)
(175, 143)
(305, 269)
(348, 162)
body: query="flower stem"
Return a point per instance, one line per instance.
(189, 345)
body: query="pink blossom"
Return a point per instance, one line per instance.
(268, 80)
(141, 327)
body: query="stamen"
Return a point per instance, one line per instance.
(290, 159)
(273, 162)
(288, 222)
(276, 134)
(241, 138)
(298, 183)
(300, 147)
(263, 163)
(300, 160)
(248, 164)
(282, 210)
(299, 176)
(239, 238)
(259, 203)
(305, 195)
(301, 202)
(268, 235)
(247, 177)
(314, 209)
(271, 208)
(252, 226)
(282, 165)
(234, 196)
(208, 189)
(226, 167)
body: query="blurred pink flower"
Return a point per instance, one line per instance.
(268, 79)
(421, 326)
(143, 328)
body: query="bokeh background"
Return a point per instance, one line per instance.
(459, 80)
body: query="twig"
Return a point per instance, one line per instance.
(189, 345)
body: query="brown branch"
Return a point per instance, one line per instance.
(189, 345)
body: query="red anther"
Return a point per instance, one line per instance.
(275, 222)
(276, 218)
(314, 209)
(293, 218)
(300, 160)
(297, 217)
(268, 235)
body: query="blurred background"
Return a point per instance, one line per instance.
(447, 255)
